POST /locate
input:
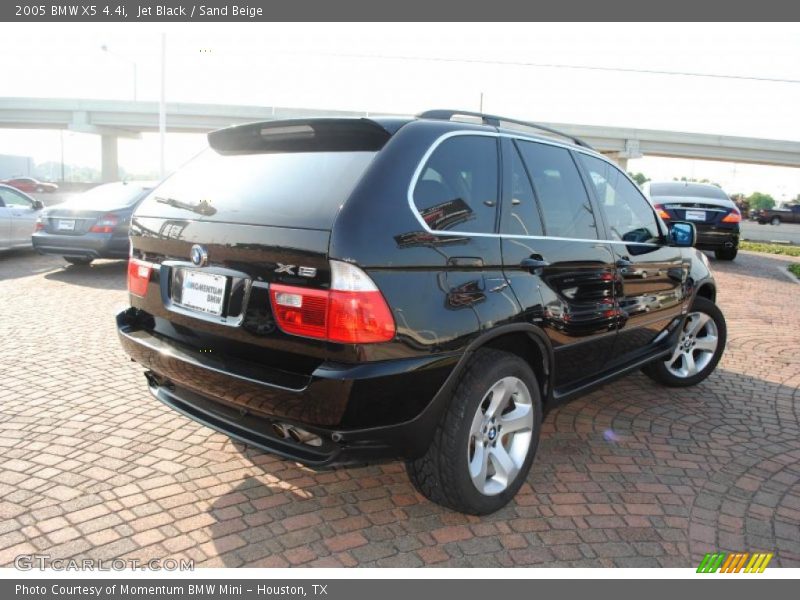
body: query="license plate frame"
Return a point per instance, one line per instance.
(695, 215)
(65, 225)
(195, 298)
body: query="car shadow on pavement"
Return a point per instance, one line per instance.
(633, 475)
(15, 264)
(105, 274)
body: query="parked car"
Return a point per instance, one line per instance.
(340, 291)
(713, 213)
(30, 185)
(18, 213)
(776, 216)
(91, 225)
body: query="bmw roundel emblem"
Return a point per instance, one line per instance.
(199, 255)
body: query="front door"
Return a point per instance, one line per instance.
(651, 274)
(23, 216)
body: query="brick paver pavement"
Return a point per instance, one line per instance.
(631, 475)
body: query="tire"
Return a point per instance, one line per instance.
(726, 253)
(775, 221)
(673, 373)
(78, 260)
(442, 474)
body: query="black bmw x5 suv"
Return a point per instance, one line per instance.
(340, 291)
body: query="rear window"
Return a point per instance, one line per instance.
(291, 189)
(688, 190)
(108, 196)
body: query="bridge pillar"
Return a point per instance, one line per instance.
(110, 164)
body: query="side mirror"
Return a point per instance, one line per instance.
(682, 234)
(38, 205)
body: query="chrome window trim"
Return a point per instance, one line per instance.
(495, 134)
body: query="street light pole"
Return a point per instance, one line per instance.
(162, 107)
(106, 49)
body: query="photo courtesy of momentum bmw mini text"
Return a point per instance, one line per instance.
(306, 300)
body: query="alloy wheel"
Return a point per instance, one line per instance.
(696, 347)
(500, 436)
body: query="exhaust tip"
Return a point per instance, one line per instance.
(296, 434)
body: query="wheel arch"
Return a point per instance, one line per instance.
(707, 290)
(525, 340)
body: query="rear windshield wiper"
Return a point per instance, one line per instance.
(202, 208)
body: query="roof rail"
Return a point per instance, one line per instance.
(495, 121)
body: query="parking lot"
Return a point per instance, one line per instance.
(631, 475)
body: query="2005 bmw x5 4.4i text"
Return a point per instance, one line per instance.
(340, 291)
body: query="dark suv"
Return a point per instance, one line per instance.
(340, 291)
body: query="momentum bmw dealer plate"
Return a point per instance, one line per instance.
(203, 292)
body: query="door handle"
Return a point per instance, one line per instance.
(533, 264)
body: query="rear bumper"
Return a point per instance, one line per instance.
(713, 238)
(252, 404)
(92, 245)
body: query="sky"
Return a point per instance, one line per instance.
(569, 73)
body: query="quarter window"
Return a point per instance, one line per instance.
(628, 214)
(458, 186)
(566, 208)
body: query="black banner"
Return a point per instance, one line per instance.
(730, 588)
(405, 10)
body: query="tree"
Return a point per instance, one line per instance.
(639, 178)
(759, 201)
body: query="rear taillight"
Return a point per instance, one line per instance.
(353, 311)
(733, 217)
(39, 226)
(105, 224)
(138, 276)
(661, 212)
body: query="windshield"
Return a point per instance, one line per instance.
(108, 196)
(688, 190)
(291, 189)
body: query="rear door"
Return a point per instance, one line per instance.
(652, 273)
(559, 266)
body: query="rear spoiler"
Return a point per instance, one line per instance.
(301, 135)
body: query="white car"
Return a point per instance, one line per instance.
(18, 213)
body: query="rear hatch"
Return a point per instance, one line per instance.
(254, 210)
(705, 205)
(701, 211)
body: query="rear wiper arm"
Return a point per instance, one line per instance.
(203, 207)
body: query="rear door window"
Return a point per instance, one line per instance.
(458, 186)
(565, 205)
(520, 213)
(286, 189)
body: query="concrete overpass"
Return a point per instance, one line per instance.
(112, 119)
